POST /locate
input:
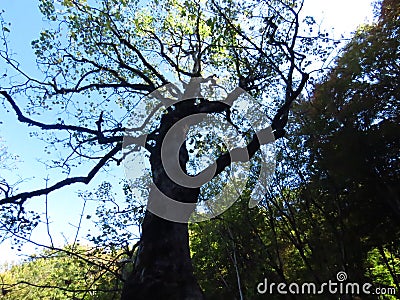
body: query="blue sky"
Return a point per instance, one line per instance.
(65, 206)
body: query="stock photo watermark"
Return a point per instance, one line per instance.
(333, 287)
(180, 95)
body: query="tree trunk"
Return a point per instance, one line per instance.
(163, 268)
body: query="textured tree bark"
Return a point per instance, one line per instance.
(163, 268)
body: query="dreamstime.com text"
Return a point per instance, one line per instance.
(330, 287)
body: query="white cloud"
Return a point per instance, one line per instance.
(342, 15)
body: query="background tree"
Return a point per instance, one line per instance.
(354, 159)
(74, 272)
(334, 205)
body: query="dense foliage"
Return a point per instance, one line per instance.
(74, 272)
(335, 205)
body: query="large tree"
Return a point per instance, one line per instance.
(99, 59)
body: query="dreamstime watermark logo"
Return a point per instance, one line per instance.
(331, 287)
(241, 115)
